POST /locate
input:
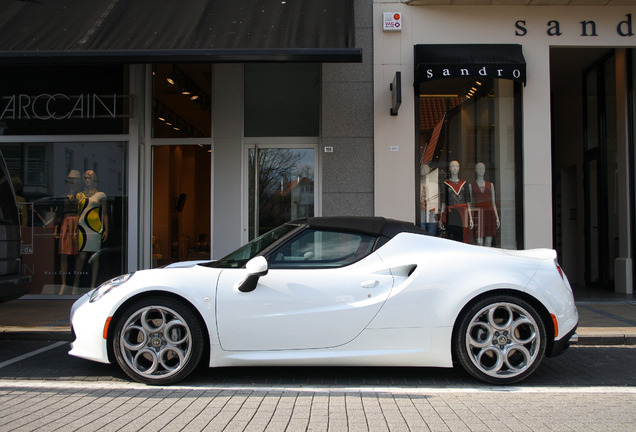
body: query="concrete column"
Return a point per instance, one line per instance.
(623, 264)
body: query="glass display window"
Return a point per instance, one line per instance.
(181, 101)
(467, 163)
(73, 212)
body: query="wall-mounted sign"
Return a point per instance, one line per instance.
(588, 28)
(396, 93)
(392, 21)
(60, 106)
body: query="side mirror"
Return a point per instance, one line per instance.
(256, 267)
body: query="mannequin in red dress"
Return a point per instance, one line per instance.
(483, 199)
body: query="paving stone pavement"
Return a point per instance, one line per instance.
(131, 408)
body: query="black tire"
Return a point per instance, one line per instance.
(158, 341)
(500, 339)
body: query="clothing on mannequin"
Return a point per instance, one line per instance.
(92, 226)
(66, 227)
(483, 199)
(456, 216)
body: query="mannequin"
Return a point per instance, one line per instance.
(455, 206)
(66, 227)
(93, 227)
(428, 204)
(483, 198)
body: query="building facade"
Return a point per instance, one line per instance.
(136, 139)
(533, 104)
(140, 134)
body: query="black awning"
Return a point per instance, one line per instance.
(143, 31)
(479, 60)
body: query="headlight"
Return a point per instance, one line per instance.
(107, 286)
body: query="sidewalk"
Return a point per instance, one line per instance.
(605, 319)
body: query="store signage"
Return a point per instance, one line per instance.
(588, 28)
(58, 106)
(508, 72)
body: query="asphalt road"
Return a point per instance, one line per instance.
(587, 388)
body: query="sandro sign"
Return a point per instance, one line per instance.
(588, 28)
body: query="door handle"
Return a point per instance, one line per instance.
(369, 283)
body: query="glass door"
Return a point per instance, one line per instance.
(280, 186)
(181, 203)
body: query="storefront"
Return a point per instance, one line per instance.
(140, 135)
(511, 127)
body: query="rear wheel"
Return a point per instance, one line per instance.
(158, 341)
(500, 340)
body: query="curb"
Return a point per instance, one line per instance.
(606, 336)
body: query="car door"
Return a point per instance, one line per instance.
(318, 293)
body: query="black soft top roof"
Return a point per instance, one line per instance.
(373, 225)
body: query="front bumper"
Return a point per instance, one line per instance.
(87, 325)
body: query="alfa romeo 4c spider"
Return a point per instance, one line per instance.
(338, 291)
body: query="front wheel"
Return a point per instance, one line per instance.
(500, 340)
(158, 341)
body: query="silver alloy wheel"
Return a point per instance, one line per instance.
(502, 340)
(155, 342)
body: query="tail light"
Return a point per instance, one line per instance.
(559, 269)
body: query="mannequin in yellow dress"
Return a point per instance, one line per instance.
(93, 227)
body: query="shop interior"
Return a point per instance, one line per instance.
(584, 164)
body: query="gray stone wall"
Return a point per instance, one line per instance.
(347, 126)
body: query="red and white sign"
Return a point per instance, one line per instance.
(392, 21)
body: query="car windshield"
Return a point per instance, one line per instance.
(242, 255)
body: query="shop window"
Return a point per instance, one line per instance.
(467, 167)
(73, 220)
(181, 101)
(282, 100)
(64, 100)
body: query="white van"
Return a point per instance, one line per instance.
(13, 284)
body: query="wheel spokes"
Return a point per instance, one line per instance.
(502, 340)
(155, 342)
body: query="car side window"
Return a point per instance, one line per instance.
(328, 249)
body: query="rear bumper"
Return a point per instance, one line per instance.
(559, 346)
(14, 286)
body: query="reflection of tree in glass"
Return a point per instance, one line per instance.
(277, 168)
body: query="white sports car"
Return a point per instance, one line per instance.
(341, 291)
